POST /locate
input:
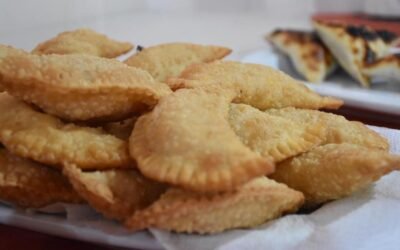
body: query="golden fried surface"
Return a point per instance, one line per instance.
(333, 171)
(166, 60)
(83, 41)
(78, 87)
(25, 183)
(29, 133)
(339, 130)
(251, 205)
(117, 194)
(187, 141)
(308, 54)
(257, 85)
(275, 136)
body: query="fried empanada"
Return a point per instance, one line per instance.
(250, 205)
(187, 141)
(83, 41)
(333, 171)
(274, 136)
(122, 129)
(167, 60)
(339, 130)
(78, 87)
(386, 68)
(352, 46)
(308, 54)
(115, 193)
(257, 85)
(27, 184)
(41, 137)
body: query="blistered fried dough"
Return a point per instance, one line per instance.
(257, 85)
(187, 141)
(339, 130)
(25, 183)
(166, 60)
(271, 135)
(333, 171)
(83, 41)
(78, 87)
(121, 129)
(44, 138)
(116, 193)
(254, 203)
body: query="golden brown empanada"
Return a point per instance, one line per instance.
(338, 129)
(115, 193)
(44, 138)
(257, 85)
(166, 60)
(27, 184)
(333, 171)
(308, 54)
(274, 136)
(78, 87)
(187, 141)
(352, 46)
(250, 205)
(83, 41)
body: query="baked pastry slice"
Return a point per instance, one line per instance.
(390, 38)
(306, 51)
(386, 68)
(352, 46)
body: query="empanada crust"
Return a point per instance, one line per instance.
(29, 133)
(187, 141)
(169, 60)
(78, 87)
(259, 86)
(85, 42)
(252, 204)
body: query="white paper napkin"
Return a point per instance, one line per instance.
(367, 220)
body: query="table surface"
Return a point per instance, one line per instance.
(17, 238)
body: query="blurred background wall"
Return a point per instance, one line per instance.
(164, 20)
(22, 13)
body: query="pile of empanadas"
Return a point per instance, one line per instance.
(172, 138)
(361, 51)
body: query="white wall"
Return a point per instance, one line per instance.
(22, 14)
(241, 24)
